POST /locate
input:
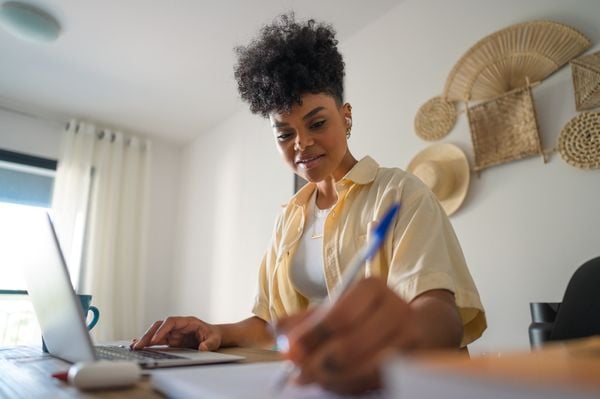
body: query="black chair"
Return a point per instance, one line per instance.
(543, 315)
(577, 316)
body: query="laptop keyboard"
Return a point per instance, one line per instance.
(123, 353)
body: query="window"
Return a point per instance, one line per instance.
(27, 181)
(24, 180)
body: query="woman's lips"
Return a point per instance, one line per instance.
(309, 162)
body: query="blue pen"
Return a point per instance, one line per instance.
(365, 254)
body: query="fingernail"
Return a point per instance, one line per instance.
(282, 343)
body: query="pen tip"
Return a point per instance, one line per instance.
(288, 372)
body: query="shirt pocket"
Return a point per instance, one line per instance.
(360, 240)
(372, 268)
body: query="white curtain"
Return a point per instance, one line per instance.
(99, 203)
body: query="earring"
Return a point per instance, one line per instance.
(348, 126)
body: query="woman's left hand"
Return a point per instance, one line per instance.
(343, 352)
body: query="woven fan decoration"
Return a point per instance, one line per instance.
(579, 141)
(586, 81)
(504, 129)
(503, 60)
(498, 63)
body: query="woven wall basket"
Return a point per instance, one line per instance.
(435, 119)
(504, 60)
(504, 129)
(579, 141)
(586, 81)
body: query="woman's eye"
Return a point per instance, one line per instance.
(317, 125)
(283, 136)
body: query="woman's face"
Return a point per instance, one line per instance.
(312, 137)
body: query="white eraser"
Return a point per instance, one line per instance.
(104, 374)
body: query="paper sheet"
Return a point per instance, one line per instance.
(235, 382)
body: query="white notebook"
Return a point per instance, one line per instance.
(238, 381)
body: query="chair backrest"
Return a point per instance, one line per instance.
(579, 313)
(543, 315)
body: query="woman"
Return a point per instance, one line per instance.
(417, 292)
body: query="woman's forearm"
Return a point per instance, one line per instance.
(440, 325)
(252, 331)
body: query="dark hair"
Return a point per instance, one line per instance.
(287, 60)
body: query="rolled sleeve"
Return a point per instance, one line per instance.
(426, 256)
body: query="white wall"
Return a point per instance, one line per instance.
(165, 169)
(41, 137)
(28, 135)
(524, 228)
(232, 185)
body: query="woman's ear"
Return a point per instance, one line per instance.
(347, 110)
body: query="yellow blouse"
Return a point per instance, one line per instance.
(422, 252)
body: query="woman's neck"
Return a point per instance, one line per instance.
(326, 193)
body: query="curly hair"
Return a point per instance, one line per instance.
(286, 61)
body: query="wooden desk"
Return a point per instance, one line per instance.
(572, 367)
(25, 372)
(561, 363)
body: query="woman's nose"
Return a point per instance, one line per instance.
(303, 140)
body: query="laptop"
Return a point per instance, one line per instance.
(59, 313)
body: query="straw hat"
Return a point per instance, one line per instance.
(443, 168)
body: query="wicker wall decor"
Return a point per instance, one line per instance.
(586, 81)
(500, 62)
(503, 60)
(579, 141)
(435, 119)
(504, 129)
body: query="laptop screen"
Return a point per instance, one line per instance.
(57, 308)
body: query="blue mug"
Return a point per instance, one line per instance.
(86, 307)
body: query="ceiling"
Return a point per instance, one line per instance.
(163, 68)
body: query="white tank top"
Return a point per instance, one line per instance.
(307, 274)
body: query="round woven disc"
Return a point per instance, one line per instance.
(579, 141)
(435, 119)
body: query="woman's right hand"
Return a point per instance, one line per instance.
(181, 332)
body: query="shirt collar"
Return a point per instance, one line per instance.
(364, 172)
